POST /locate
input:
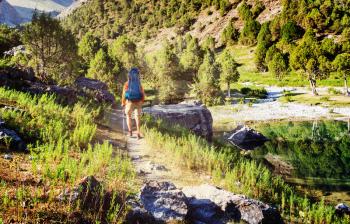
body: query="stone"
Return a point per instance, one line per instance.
(10, 138)
(138, 214)
(164, 201)
(342, 209)
(96, 88)
(209, 204)
(196, 118)
(8, 157)
(20, 49)
(246, 138)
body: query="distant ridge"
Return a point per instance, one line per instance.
(9, 15)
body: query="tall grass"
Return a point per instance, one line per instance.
(62, 152)
(237, 174)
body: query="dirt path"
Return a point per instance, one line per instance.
(150, 164)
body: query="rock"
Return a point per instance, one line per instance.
(164, 201)
(8, 157)
(99, 89)
(342, 209)
(9, 138)
(90, 195)
(246, 138)
(193, 117)
(16, 50)
(209, 204)
(138, 214)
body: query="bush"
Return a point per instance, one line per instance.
(256, 92)
(230, 34)
(244, 12)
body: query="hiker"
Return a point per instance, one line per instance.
(132, 100)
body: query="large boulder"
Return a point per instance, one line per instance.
(246, 138)
(196, 118)
(95, 88)
(209, 204)
(164, 201)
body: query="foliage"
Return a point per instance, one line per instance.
(229, 72)
(250, 32)
(88, 47)
(103, 69)
(53, 49)
(230, 34)
(278, 65)
(123, 50)
(206, 86)
(191, 58)
(9, 38)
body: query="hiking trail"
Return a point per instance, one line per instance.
(149, 164)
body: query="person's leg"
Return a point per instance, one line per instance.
(128, 112)
(138, 118)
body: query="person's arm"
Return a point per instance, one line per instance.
(143, 95)
(123, 95)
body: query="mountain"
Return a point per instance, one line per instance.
(14, 12)
(8, 14)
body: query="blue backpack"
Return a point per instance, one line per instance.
(134, 92)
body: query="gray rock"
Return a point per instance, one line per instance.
(246, 138)
(8, 157)
(10, 137)
(98, 88)
(342, 209)
(210, 204)
(193, 117)
(138, 214)
(164, 201)
(16, 50)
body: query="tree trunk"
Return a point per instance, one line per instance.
(346, 88)
(228, 90)
(313, 86)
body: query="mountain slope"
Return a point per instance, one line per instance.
(24, 9)
(8, 14)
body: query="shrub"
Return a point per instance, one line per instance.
(291, 31)
(244, 12)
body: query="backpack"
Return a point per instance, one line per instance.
(134, 92)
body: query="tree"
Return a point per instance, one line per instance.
(249, 32)
(206, 86)
(229, 72)
(53, 50)
(191, 58)
(88, 47)
(307, 56)
(208, 44)
(342, 66)
(230, 34)
(167, 71)
(124, 51)
(278, 65)
(264, 42)
(103, 69)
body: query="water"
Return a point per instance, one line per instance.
(314, 155)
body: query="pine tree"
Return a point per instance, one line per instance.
(229, 72)
(123, 50)
(206, 86)
(103, 69)
(191, 58)
(53, 49)
(278, 65)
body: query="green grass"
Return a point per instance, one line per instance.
(236, 173)
(245, 56)
(63, 150)
(326, 99)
